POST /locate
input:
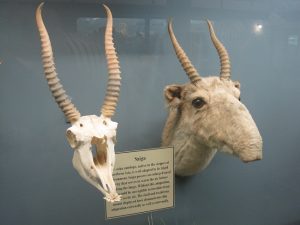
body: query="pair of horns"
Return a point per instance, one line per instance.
(188, 66)
(58, 92)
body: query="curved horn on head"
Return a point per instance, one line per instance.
(57, 90)
(182, 57)
(223, 54)
(114, 78)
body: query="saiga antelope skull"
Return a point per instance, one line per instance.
(88, 130)
(207, 115)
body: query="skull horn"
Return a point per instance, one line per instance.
(182, 57)
(223, 54)
(57, 90)
(114, 78)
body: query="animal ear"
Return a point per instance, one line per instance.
(173, 94)
(237, 84)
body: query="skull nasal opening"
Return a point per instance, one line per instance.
(99, 150)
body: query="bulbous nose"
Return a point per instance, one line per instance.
(252, 151)
(241, 133)
(253, 156)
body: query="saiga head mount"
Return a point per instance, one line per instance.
(88, 130)
(206, 114)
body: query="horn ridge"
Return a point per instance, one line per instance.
(114, 73)
(222, 52)
(186, 64)
(56, 88)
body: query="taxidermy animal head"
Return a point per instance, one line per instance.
(206, 114)
(90, 130)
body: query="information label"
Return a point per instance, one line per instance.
(145, 179)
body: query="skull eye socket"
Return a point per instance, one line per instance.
(71, 137)
(198, 103)
(81, 125)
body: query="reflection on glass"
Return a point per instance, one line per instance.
(130, 32)
(293, 40)
(123, 27)
(258, 28)
(158, 28)
(135, 35)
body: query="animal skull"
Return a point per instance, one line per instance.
(101, 132)
(90, 130)
(207, 115)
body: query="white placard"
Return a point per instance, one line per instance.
(145, 179)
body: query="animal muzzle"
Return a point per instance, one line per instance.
(242, 137)
(247, 150)
(251, 151)
(249, 145)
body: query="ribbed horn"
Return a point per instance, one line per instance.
(182, 57)
(223, 54)
(114, 73)
(57, 90)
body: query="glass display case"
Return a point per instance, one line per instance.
(38, 184)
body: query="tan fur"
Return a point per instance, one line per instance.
(223, 122)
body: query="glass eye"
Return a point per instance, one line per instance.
(198, 102)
